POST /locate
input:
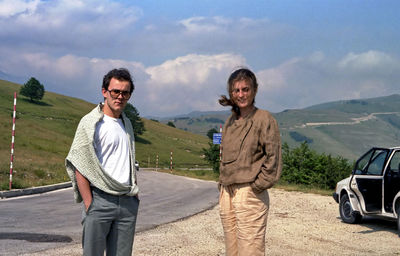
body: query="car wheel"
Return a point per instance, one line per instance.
(346, 211)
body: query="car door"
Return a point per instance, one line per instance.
(392, 181)
(367, 180)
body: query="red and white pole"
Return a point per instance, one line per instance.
(12, 139)
(220, 150)
(171, 162)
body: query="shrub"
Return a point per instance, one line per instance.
(302, 165)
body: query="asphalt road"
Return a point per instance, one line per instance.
(49, 220)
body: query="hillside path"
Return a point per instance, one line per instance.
(356, 120)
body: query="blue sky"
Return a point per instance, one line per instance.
(182, 52)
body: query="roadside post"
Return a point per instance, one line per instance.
(171, 162)
(157, 162)
(12, 140)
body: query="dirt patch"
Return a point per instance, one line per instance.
(298, 224)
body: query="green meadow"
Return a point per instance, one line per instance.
(44, 133)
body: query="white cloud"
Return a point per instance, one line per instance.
(192, 70)
(70, 75)
(10, 8)
(66, 24)
(205, 24)
(120, 29)
(191, 82)
(367, 61)
(178, 66)
(301, 82)
(213, 35)
(195, 81)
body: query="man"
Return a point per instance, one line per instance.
(101, 166)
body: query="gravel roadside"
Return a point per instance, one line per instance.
(298, 224)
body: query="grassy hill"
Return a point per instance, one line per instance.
(44, 132)
(345, 128)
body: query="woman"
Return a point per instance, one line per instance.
(250, 164)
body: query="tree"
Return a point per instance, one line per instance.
(212, 153)
(210, 133)
(32, 89)
(171, 124)
(133, 115)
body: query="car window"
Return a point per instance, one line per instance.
(362, 163)
(395, 162)
(377, 163)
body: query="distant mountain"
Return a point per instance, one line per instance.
(385, 104)
(347, 128)
(198, 122)
(11, 78)
(193, 114)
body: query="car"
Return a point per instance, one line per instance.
(373, 188)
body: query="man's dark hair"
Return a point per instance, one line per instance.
(121, 74)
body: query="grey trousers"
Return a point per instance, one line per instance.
(109, 224)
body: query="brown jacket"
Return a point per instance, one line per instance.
(251, 151)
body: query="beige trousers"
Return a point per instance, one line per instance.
(244, 219)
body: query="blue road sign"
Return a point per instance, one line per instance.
(217, 138)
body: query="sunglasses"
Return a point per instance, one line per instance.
(115, 94)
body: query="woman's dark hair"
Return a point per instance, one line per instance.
(121, 74)
(242, 74)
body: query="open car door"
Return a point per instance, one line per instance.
(367, 179)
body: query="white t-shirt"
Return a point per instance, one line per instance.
(112, 148)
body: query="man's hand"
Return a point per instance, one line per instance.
(87, 204)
